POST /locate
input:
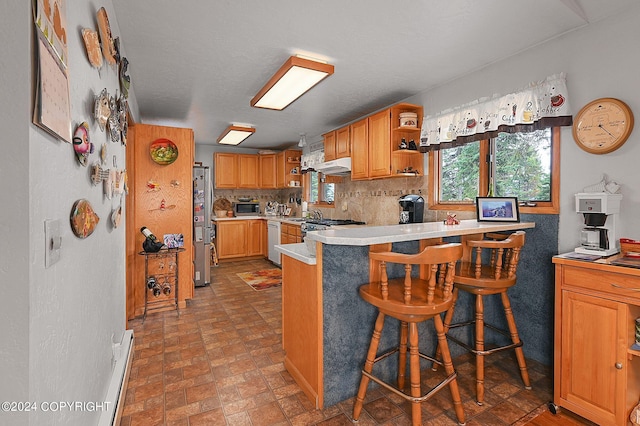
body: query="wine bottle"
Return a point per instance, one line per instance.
(150, 243)
(148, 234)
(151, 282)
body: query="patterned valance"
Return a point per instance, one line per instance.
(541, 105)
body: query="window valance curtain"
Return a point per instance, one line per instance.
(540, 105)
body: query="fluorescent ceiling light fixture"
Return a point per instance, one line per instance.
(293, 79)
(233, 134)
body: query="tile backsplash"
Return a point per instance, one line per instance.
(376, 201)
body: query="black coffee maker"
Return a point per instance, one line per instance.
(411, 209)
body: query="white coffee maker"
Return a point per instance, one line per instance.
(600, 211)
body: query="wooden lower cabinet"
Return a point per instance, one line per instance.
(290, 234)
(302, 326)
(240, 238)
(596, 373)
(256, 236)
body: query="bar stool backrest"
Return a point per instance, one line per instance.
(504, 254)
(441, 261)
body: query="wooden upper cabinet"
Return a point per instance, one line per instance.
(226, 170)
(343, 142)
(267, 170)
(248, 171)
(280, 169)
(380, 144)
(360, 149)
(330, 146)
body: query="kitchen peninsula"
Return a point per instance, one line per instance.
(327, 327)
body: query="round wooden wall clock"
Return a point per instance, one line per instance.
(603, 125)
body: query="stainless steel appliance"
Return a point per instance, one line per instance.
(411, 209)
(273, 238)
(202, 227)
(600, 211)
(248, 208)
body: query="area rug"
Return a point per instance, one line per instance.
(262, 280)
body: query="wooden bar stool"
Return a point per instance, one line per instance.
(495, 276)
(412, 300)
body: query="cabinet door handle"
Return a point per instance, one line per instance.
(624, 288)
(619, 365)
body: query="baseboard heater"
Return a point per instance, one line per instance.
(116, 392)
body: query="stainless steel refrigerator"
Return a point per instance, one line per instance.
(202, 227)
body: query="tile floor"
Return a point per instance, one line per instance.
(221, 363)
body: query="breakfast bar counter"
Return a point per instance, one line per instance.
(327, 326)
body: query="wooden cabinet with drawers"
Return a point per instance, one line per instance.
(596, 371)
(290, 234)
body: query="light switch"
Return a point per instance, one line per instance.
(53, 242)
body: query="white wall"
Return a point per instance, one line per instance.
(58, 324)
(600, 60)
(14, 218)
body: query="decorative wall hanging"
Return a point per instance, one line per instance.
(92, 45)
(163, 151)
(153, 186)
(103, 154)
(81, 144)
(541, 105)
(98, 174)
(113, 121)
(116, 215)
(108, 48)
(52, 105)
(102, 110)
(83, 219)
(116, 49)
(109, 183)
(122, 118)
(125, 80)
(163, 206)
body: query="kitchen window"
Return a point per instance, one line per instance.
(523, 165)
(320, 191)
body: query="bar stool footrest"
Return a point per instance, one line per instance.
(402, 394)
(486, 351)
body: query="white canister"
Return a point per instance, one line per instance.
(408, 119)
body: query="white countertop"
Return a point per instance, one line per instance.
(368, 235)
(284, 219)
(298, 251)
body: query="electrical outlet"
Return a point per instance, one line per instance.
(52, 241)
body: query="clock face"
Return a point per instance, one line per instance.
(603, 125)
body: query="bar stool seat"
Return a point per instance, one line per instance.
(412, 300)
(492, 273)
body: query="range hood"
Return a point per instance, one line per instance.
(341, 166)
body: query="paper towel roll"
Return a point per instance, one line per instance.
(304, 208)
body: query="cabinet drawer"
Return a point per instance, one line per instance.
(607, 282)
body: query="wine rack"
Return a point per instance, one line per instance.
(161, 280)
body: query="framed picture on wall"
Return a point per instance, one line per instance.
(497, 209)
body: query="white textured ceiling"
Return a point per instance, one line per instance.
(198, 63)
